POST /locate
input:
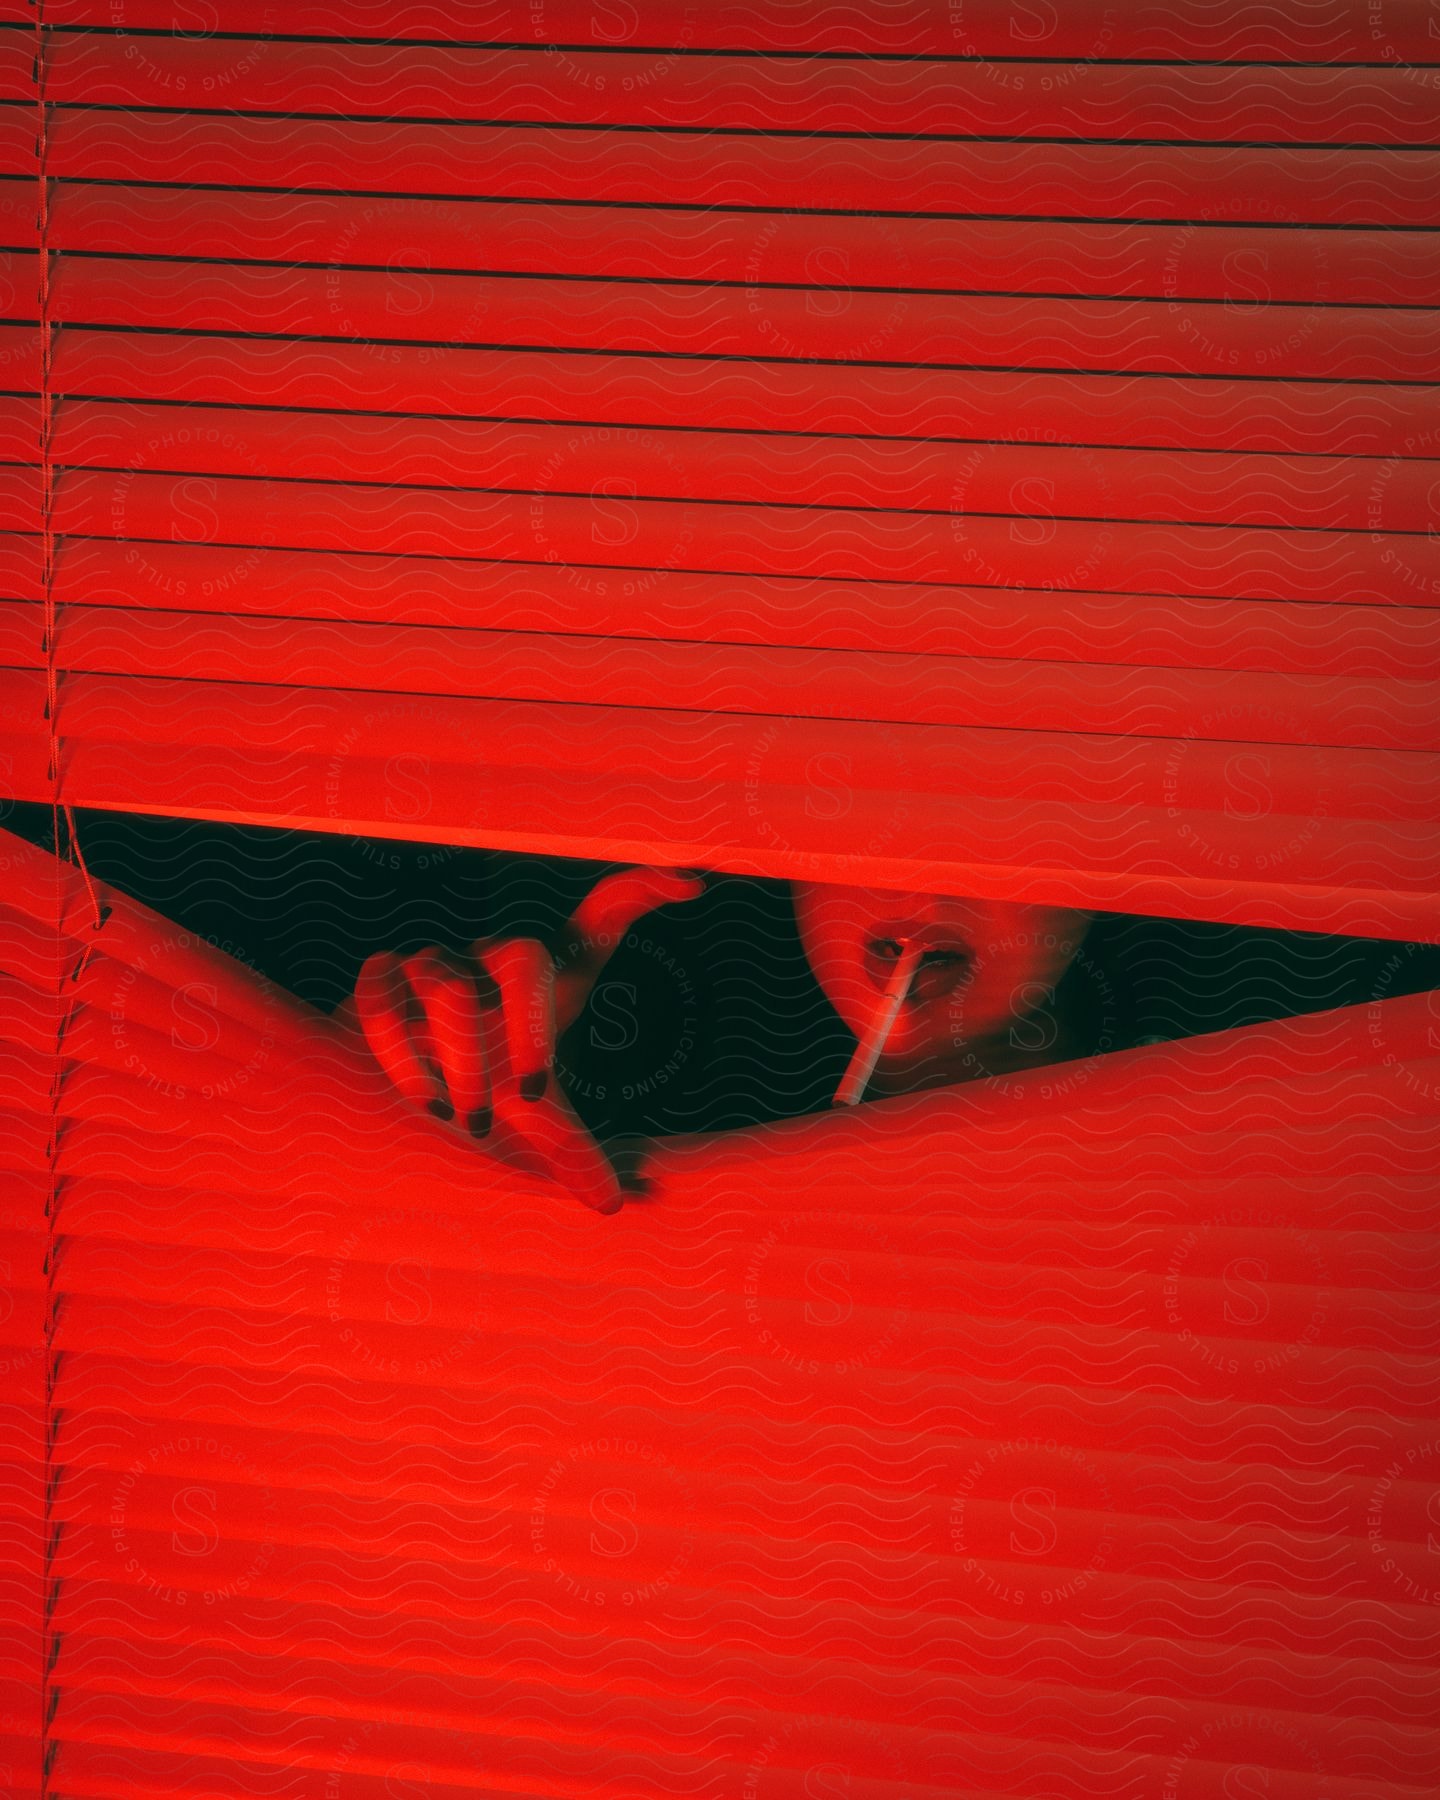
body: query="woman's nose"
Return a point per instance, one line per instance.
(940, 973)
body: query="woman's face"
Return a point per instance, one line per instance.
(985, 963)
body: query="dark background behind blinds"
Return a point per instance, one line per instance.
(710, 1019)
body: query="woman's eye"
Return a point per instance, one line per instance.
(886, 947)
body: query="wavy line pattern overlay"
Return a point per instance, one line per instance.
(1047, 1437)
(752, 374)
(617, 431)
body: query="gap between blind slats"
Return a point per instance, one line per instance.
(1377, 881)
(1311, 1047)
(317, 1061)
(1349, 186)
(648, 787)
(1309, 1051)
(1208, 261)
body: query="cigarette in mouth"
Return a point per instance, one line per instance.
(867, 1052)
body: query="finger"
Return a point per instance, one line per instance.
(600, 923)
(525, 975)
(572, 989)
(559, 1147)
(613, 905)
(531, 1113)
(446, 989)
(388, 1015)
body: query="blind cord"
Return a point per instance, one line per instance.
(49, 1689)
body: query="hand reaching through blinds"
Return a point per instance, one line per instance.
(471, 1038)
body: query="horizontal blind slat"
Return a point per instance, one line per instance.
(413, 305)
(613, 531)
(1270, 867)
(89, 1628)
(629, 87)
(1399, 1749)
(1392, 1250)
(976, 764)
(1333, 31)
(223, 1631)
(1017, 695)
(1343, 838)
(263, 1321)
(1338, 186)
(1332, 419)
(17, 139)
(1251, 488)
(1215, 260)
(634, 740)
(1159, 631)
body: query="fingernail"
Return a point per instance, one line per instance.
(533, 1085)
(480, 1121)
(442, 1109)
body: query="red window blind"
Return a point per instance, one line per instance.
(610, 431)
(1066, 1434)
(1027, 419)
